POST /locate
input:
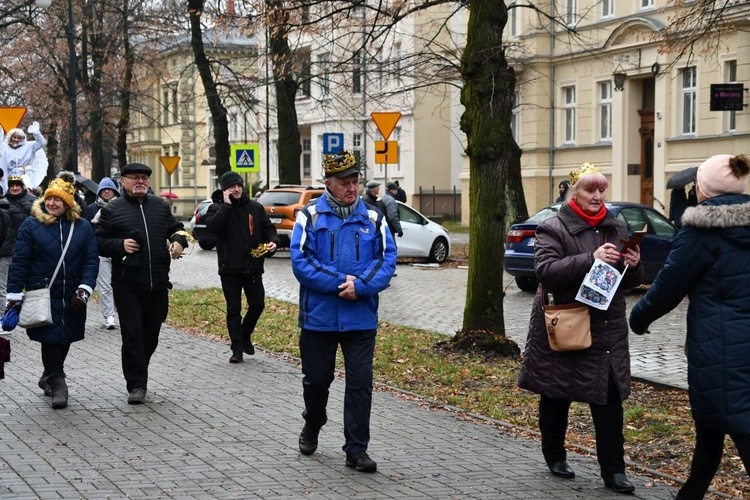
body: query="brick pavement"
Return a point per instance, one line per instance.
(215, 430)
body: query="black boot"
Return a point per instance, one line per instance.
(59, 390)
(43, 385)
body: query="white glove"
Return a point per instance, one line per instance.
(33, 128)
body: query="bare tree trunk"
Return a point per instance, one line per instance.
(123, 123)
(289, 146)
(488, 93)
(215, 106)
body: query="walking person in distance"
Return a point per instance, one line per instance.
(244, 235)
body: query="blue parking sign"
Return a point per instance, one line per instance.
(332, 143)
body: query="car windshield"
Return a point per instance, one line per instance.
(279, 198)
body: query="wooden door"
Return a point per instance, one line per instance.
(647, 155)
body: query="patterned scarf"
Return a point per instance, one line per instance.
(343, 211)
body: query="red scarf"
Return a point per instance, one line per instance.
(591, 220)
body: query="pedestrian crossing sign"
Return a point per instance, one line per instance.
(245, 157)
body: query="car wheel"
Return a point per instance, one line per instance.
(439, 251)
(206, 244)
(527, 284)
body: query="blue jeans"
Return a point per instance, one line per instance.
(318, 353)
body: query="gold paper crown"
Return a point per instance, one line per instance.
(335, 163)
(586, 168)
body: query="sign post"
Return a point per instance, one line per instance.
(245, 158)
(11, 116)
(170, 165)
(386, 152)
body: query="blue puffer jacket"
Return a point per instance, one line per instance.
(324, 250)
(39, 244)
(710, 263)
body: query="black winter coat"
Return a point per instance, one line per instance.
(563, 254)
(710, 263)
(239, 227)
(150, 222)
(40, 242)
(19, 209)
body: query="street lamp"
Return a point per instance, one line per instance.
(44, 4)
(619, 76)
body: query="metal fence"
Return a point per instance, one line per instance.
(439, 203)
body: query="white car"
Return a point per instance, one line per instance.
(422, 237)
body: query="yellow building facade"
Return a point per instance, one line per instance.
(570, 110)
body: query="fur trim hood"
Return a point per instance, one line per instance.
(40, 213)
(728, 214)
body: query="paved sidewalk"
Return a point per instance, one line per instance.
(214, 430)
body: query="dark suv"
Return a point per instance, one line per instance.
(282, 204)
(205, 238)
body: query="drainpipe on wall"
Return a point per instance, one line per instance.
(552, 113)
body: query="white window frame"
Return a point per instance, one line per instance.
(732, 78)
(605, 110)
(513, 11)
(569, 114)
(647, 4)
(515, 122)
(571, 12)
(324, 80)
(306, 157)
(608, 9)
(689, 96)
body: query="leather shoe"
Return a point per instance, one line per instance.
(361, 462)
(561, 469)
(137, 396)
(619, 483)
(308, 440)
(236, 358)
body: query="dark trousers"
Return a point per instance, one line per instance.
(240, 329)
(709, 447)
(318, 353)
(141, 314)
(608, 422)
(53, 357)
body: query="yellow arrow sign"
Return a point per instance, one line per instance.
(385, 122)
(10, 117)
(170, 163)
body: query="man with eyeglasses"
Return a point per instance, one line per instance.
(132, 230)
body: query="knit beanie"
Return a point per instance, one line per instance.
(723, 174)
(230, 179)
(63, 190)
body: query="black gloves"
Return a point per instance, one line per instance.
(400, 234)
(79, 300)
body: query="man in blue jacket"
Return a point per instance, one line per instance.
(343, 255)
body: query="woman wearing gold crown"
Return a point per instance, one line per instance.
(566, 247)
(39, 246)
